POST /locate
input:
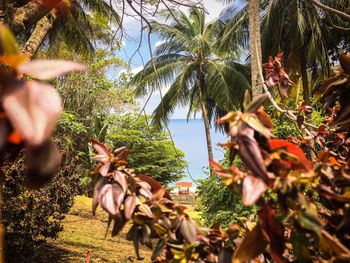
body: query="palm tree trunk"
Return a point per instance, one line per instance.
(39, 33)
(255, 46)
(22, 18)
(304, 78)
(201, 86)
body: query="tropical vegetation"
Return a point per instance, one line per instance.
(197, 77)
(272, 75)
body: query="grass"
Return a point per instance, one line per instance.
(83, 232)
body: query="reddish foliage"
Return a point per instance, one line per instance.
(302, 163)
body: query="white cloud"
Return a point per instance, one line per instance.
(136, 70)
(213, 8)
(158, 43)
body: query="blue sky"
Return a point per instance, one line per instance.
(131, 42)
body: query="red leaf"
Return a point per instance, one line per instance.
(100, 147)
(273, 232)
(42, 162)
(88, 257)
(216, 166)
(253, 188)
(249, 152)
(155, 185)
(129, 206)
(47, 69)
(119, 177)
(33, 109)
(302, 164)
(98, 186)
(104, 169)
(110, 198)
(15, 138)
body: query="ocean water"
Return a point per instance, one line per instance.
(189, 136)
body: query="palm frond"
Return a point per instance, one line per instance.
(178, 94)
(167, 68)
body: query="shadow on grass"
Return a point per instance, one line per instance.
(44, 253)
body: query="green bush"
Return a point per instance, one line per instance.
(220, 204)
(30, 216)
(153, 153)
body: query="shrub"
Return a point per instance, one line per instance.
(30, 216)
(216, 203)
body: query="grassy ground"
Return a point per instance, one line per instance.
(83, 232)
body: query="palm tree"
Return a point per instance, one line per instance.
(187, 61)
(70, 23)
(255, 45)
(246, 20)
(306, 33)
(302, 30)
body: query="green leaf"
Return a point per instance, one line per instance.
(310, 222)
(256, 103)
(256, 124)
(8, 41)
(158, 249)
(247, 100)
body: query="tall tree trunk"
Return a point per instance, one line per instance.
(255, 46)
(304, 77)
(22, 18)
(39, 33)
(201, 87)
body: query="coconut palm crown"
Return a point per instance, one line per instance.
(188, 63)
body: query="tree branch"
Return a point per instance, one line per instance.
(289, 114)
(330, 9)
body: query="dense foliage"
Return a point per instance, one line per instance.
(215, 204)
(31, 216)
(302, 205)
(29, 157)
(153, 153)
(297, 184)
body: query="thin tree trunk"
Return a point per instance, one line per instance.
(22, 18)
(304, 78)
(39, 33)
(255, 46)
(2, 226)
(201, 87)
